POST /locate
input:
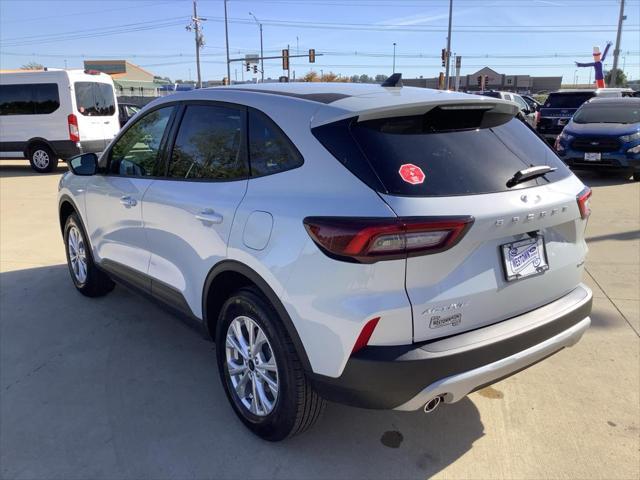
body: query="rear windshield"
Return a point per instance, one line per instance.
(614, 113)
(95, 99)
(472, 161)
(567, 100)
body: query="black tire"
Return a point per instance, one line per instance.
(95, 283)
(297, 406)
(42, 158)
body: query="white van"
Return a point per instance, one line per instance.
(50, 114)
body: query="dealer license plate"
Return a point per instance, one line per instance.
(524, 258)
(592, 156)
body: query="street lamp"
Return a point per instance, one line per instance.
(394, 57)
(261, 51)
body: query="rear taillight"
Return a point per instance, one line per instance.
(537, 118)
(368, 240)
(583, 202)
(74, 132)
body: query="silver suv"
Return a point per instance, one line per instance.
(380, 246)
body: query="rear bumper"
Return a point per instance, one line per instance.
(406, 377)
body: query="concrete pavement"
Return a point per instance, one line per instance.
(115, 388)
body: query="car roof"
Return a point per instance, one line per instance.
(621, 101)
(337, 100)
(573, 90)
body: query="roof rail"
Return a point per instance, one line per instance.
(394, 80)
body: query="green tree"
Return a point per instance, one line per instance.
(364, 78)
(621, 79)
(355, 78)
(381, 78)
(32, 66)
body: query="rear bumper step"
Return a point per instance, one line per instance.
(406, 377)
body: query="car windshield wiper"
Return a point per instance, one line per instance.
(528, 174)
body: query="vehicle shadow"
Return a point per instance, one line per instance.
(603, 178)
(114, 387)
(15, 169)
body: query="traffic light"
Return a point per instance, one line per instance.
(285, 59)
(312, 55)
(443, 56)
(255, 69)
(248, 67)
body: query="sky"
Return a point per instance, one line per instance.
(534, 37)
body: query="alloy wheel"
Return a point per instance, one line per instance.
(77, 254)
(251, 366)
(41, 159)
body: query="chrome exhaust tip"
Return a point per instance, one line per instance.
(432, 404)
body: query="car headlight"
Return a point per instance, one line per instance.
(630, 138)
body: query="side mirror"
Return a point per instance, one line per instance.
(85, 164)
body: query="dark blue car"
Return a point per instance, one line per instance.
(603, 134)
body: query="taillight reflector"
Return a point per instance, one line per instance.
(74, 131)
(367, 240)
(365, 335)
(583, 202)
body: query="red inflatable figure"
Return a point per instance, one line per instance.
(597, 64)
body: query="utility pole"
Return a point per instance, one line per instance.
(195, 26)
(616, 51)
(448, 56)
(226, 37)
(261, 50)
(394, 58)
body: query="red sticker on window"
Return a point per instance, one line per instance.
(411, 173)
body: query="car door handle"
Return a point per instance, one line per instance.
(209, 215)
(127, 201)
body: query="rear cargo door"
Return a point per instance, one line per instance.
(525, 247)
(97, 113)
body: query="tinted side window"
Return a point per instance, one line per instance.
(136, 152)
(95, 99)
(270, 151)
(210, 144)
(29, 99)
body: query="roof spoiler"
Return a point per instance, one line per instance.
(394, 80)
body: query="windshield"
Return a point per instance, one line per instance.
(615, 113)
(95, 99)
(567, 100)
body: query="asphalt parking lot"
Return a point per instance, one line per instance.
(115, 388)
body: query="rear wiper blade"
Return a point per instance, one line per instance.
(528, 174)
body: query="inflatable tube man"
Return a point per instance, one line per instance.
(597, 64)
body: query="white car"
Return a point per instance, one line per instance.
(380, 246)
(50, 114)
(527, 112)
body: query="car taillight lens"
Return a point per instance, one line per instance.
(583, 202)
(74, 132)
(368, 240)
(537, 117)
